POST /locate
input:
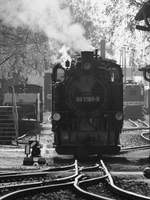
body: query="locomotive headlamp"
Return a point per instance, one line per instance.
(56, 116)
(87, 66)
(119, 116)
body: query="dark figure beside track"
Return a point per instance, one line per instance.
(36, 151)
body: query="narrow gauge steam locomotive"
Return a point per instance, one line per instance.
(133, 100)
(87, 105)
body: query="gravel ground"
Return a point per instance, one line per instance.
(60, 195)
(133, 184)
(132, 138)
(126, 183)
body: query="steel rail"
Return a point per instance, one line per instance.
(39, 183)
(91, 168)
(85, 193)
(133, 123)
(147, 127)
(144, 137)
(49, 169)
(119, 191)
(76, 184)
(124, 149)
(135, 129)
(89, 181)
(37, 189)
(36, 173)
(143, 122)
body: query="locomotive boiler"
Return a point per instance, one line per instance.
(87, 105)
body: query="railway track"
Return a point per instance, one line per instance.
(141, 147)
(37, 175)
(78, 185)
(139, 138)
(137, 125)
(12, 182)
(104, 181)
(145, 136)
(35, 186)
(145, 124)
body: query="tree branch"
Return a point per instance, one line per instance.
(7, 58)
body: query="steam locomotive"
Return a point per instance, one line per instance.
(87, 105)
(133, 100)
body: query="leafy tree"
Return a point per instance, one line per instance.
(22, 51)
(113, 20)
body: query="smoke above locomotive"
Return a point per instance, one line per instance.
(49, 16)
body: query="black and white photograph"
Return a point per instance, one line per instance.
(74, 99)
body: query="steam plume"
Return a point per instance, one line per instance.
(45, 15)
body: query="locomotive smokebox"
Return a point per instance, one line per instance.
(87, 56)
